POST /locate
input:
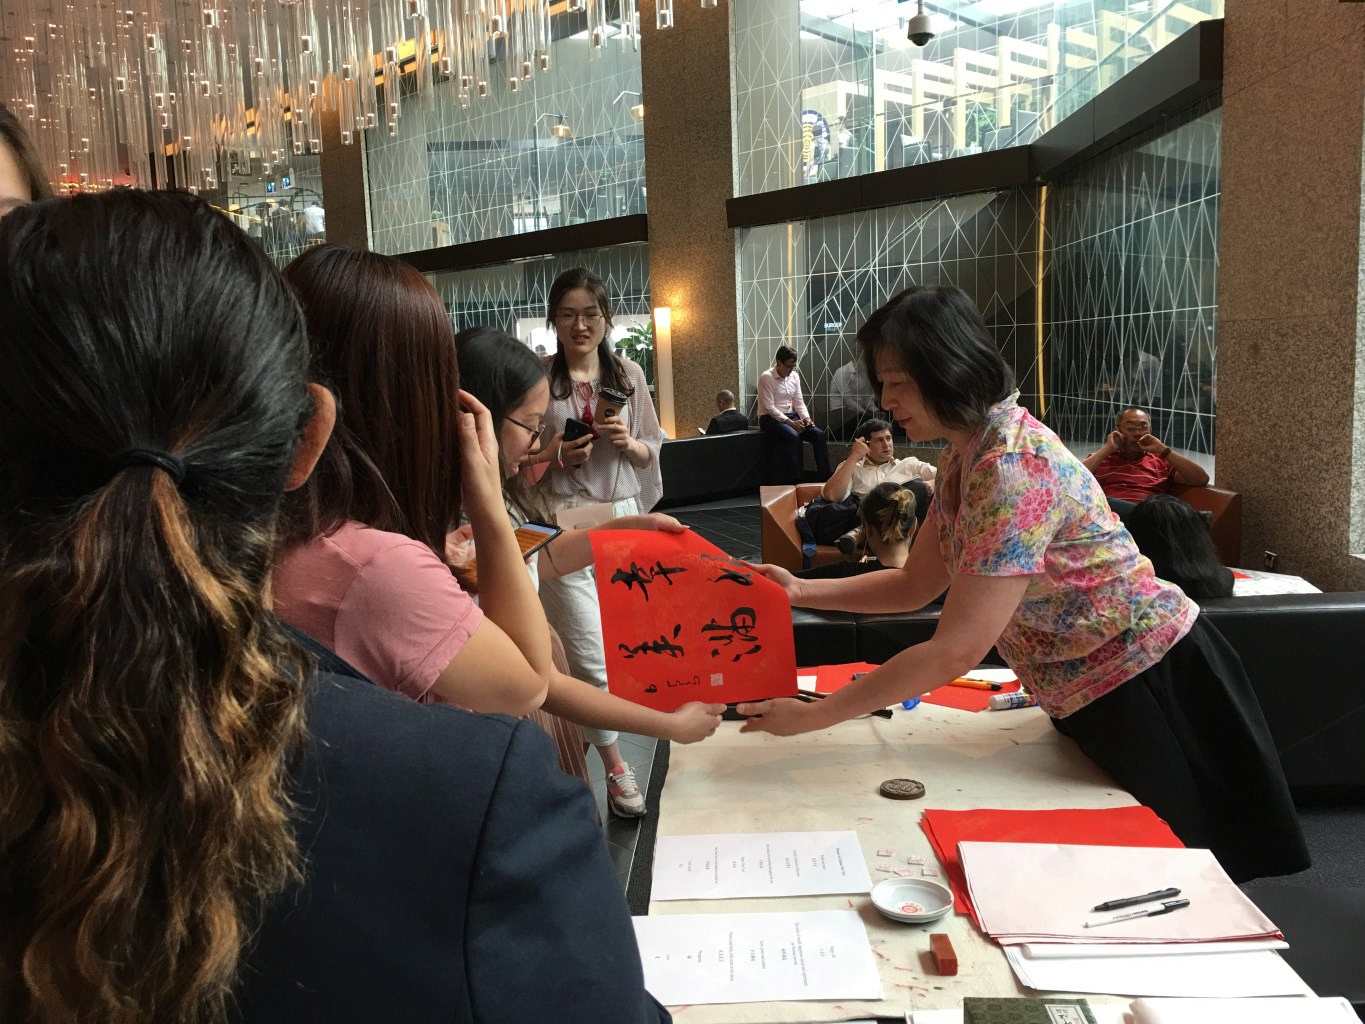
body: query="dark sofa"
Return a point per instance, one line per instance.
(1305, 654)
(707, 467)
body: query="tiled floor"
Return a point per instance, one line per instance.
(731, 525)
(623, 832)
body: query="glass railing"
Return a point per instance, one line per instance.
(872, 107)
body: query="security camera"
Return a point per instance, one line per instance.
(921, 28)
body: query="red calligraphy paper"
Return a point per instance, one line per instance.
(1136, 825)
(965, 698)
(684, 621)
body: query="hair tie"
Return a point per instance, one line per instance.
(174, 467)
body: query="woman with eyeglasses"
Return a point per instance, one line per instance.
(207, 817)
(510, 380)
(614, 467)
(364, 568)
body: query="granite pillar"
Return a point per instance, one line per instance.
(689, 171)
(1291, 385)
(344, 195)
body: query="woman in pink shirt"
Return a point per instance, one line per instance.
(364, 568)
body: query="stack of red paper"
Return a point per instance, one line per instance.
(1107, 826)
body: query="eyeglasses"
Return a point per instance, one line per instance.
(567, 318)
(536, 432)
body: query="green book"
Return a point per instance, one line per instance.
(1026, 1011)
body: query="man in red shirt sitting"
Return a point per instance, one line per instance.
(1132, 465)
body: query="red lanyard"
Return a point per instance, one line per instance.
(579, 389)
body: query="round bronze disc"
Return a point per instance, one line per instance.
(902, 789)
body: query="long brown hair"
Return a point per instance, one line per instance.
(154, 392)
(13, 135)
(382, 341)
(613, 370)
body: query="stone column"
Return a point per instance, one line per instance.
(689, 176)
(1291, 383)
(344, 196)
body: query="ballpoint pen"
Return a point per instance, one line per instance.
(1133, 901)
(1165, 908)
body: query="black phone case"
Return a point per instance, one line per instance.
(574, 429)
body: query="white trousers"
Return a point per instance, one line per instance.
(571, 608)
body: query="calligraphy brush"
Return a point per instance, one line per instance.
(812, 695)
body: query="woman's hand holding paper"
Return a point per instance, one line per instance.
(794, 588)
(785, 716)
(653, 521)
(693, 722)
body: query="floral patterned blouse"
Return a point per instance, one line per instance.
(1094, 614)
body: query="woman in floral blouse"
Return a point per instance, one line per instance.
(1040, 568)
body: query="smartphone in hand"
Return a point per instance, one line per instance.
(531, 537)
(574, 429)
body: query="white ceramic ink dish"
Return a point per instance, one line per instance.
(912, 900)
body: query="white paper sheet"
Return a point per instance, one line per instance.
(1043, 892)
(738, 865)
(1244, 1011)
(1264, 584)
(1227, 975)
(1052, 950)
(993, 675)
(752, 958)
(1105, 1013)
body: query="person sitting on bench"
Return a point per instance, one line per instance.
(871, 461)
(729, 420)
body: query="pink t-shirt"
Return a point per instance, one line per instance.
(382, 601)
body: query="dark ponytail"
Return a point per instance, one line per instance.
(148, 700)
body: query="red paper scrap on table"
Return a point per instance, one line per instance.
(965, 698)
(1239, 575)
(684, 621)
(1137, 825)
(833, 678)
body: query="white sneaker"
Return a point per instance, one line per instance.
(623, 793)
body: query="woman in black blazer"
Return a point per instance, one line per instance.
(201, 824)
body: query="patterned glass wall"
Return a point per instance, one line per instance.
(1132, 260)
(457, 175)
(832, 88)
(812, 284)
(513, 296)
(281, 208)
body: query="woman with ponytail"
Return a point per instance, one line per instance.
(201, 812)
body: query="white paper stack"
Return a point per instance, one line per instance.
(1035, 899)
(1243, 1011)
(750, 958)
(1160, 969)
(1044, 892)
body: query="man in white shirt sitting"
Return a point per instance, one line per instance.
(871, 461)
(785, 420)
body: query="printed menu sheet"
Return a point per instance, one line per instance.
(752, 958)
(737, 865)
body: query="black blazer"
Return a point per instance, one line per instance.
(453, 874)
(731, 421)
